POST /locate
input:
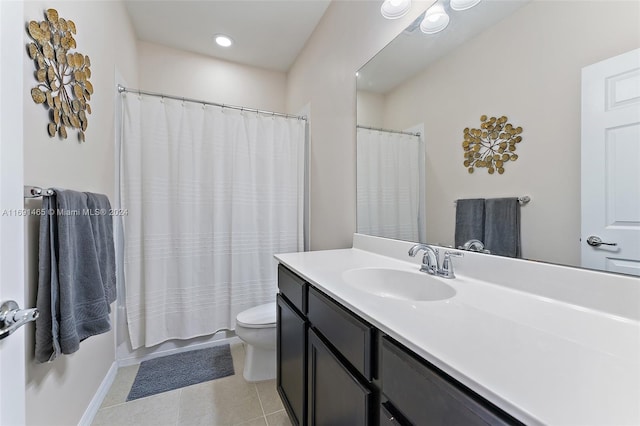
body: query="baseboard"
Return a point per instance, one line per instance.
(96, 401)
(125, 362)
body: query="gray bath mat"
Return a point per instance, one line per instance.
(180, 370)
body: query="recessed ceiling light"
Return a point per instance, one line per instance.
(393, 9)
(435, 20)
(223, 40)
(463, 4)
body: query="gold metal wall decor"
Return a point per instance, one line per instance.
(492, 145)
(63, 76)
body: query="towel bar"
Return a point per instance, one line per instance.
(36, 191)
(522, 200)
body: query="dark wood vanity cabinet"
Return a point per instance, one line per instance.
(336, 369)
(324, 358)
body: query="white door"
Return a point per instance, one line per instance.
(611, 164)
(12, 352)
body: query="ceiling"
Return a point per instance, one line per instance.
(412, 51)
(266, 33)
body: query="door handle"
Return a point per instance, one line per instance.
(595, 241)
(12, 317)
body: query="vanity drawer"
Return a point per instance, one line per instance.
(422, 394)
(293, 288)
(350, 335)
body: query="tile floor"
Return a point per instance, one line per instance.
(226, 401)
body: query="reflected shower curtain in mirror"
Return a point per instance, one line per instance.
(211, 194)
(388, 176)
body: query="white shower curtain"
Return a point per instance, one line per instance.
(211, 194)
(388, 184)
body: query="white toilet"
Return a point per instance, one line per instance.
(257, 328)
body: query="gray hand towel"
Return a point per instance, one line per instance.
(469, 220)
(76, 272)
(502, 226)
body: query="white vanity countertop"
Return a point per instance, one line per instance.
(541, 360)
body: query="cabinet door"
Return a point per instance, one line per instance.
(292, 360)
(336, 396)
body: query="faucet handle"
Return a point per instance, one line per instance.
(447, 265)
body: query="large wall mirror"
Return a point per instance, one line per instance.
(517, 58)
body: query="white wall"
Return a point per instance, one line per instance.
(323, 75)
(177, 72)
(532, 77)
(370, 109)
(58, 393)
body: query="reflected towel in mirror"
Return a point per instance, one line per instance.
(470, 220)
(502, 226)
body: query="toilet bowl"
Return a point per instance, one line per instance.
(257, 328)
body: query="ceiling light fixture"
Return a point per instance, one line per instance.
(435, 20)
(223, 40)
(463, 4)
(393, 9)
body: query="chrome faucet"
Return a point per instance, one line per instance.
(430, 260)
(474, 245)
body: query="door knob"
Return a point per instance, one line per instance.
(12, 317)
(595, 241)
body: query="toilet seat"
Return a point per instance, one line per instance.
(261, 316)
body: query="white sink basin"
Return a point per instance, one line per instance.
(398, 284)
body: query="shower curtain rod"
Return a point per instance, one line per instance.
(122, 89)
(389, 131)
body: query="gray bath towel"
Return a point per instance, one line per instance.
(470, 220)
(102, 227)
(502, 226)
(76, 272)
